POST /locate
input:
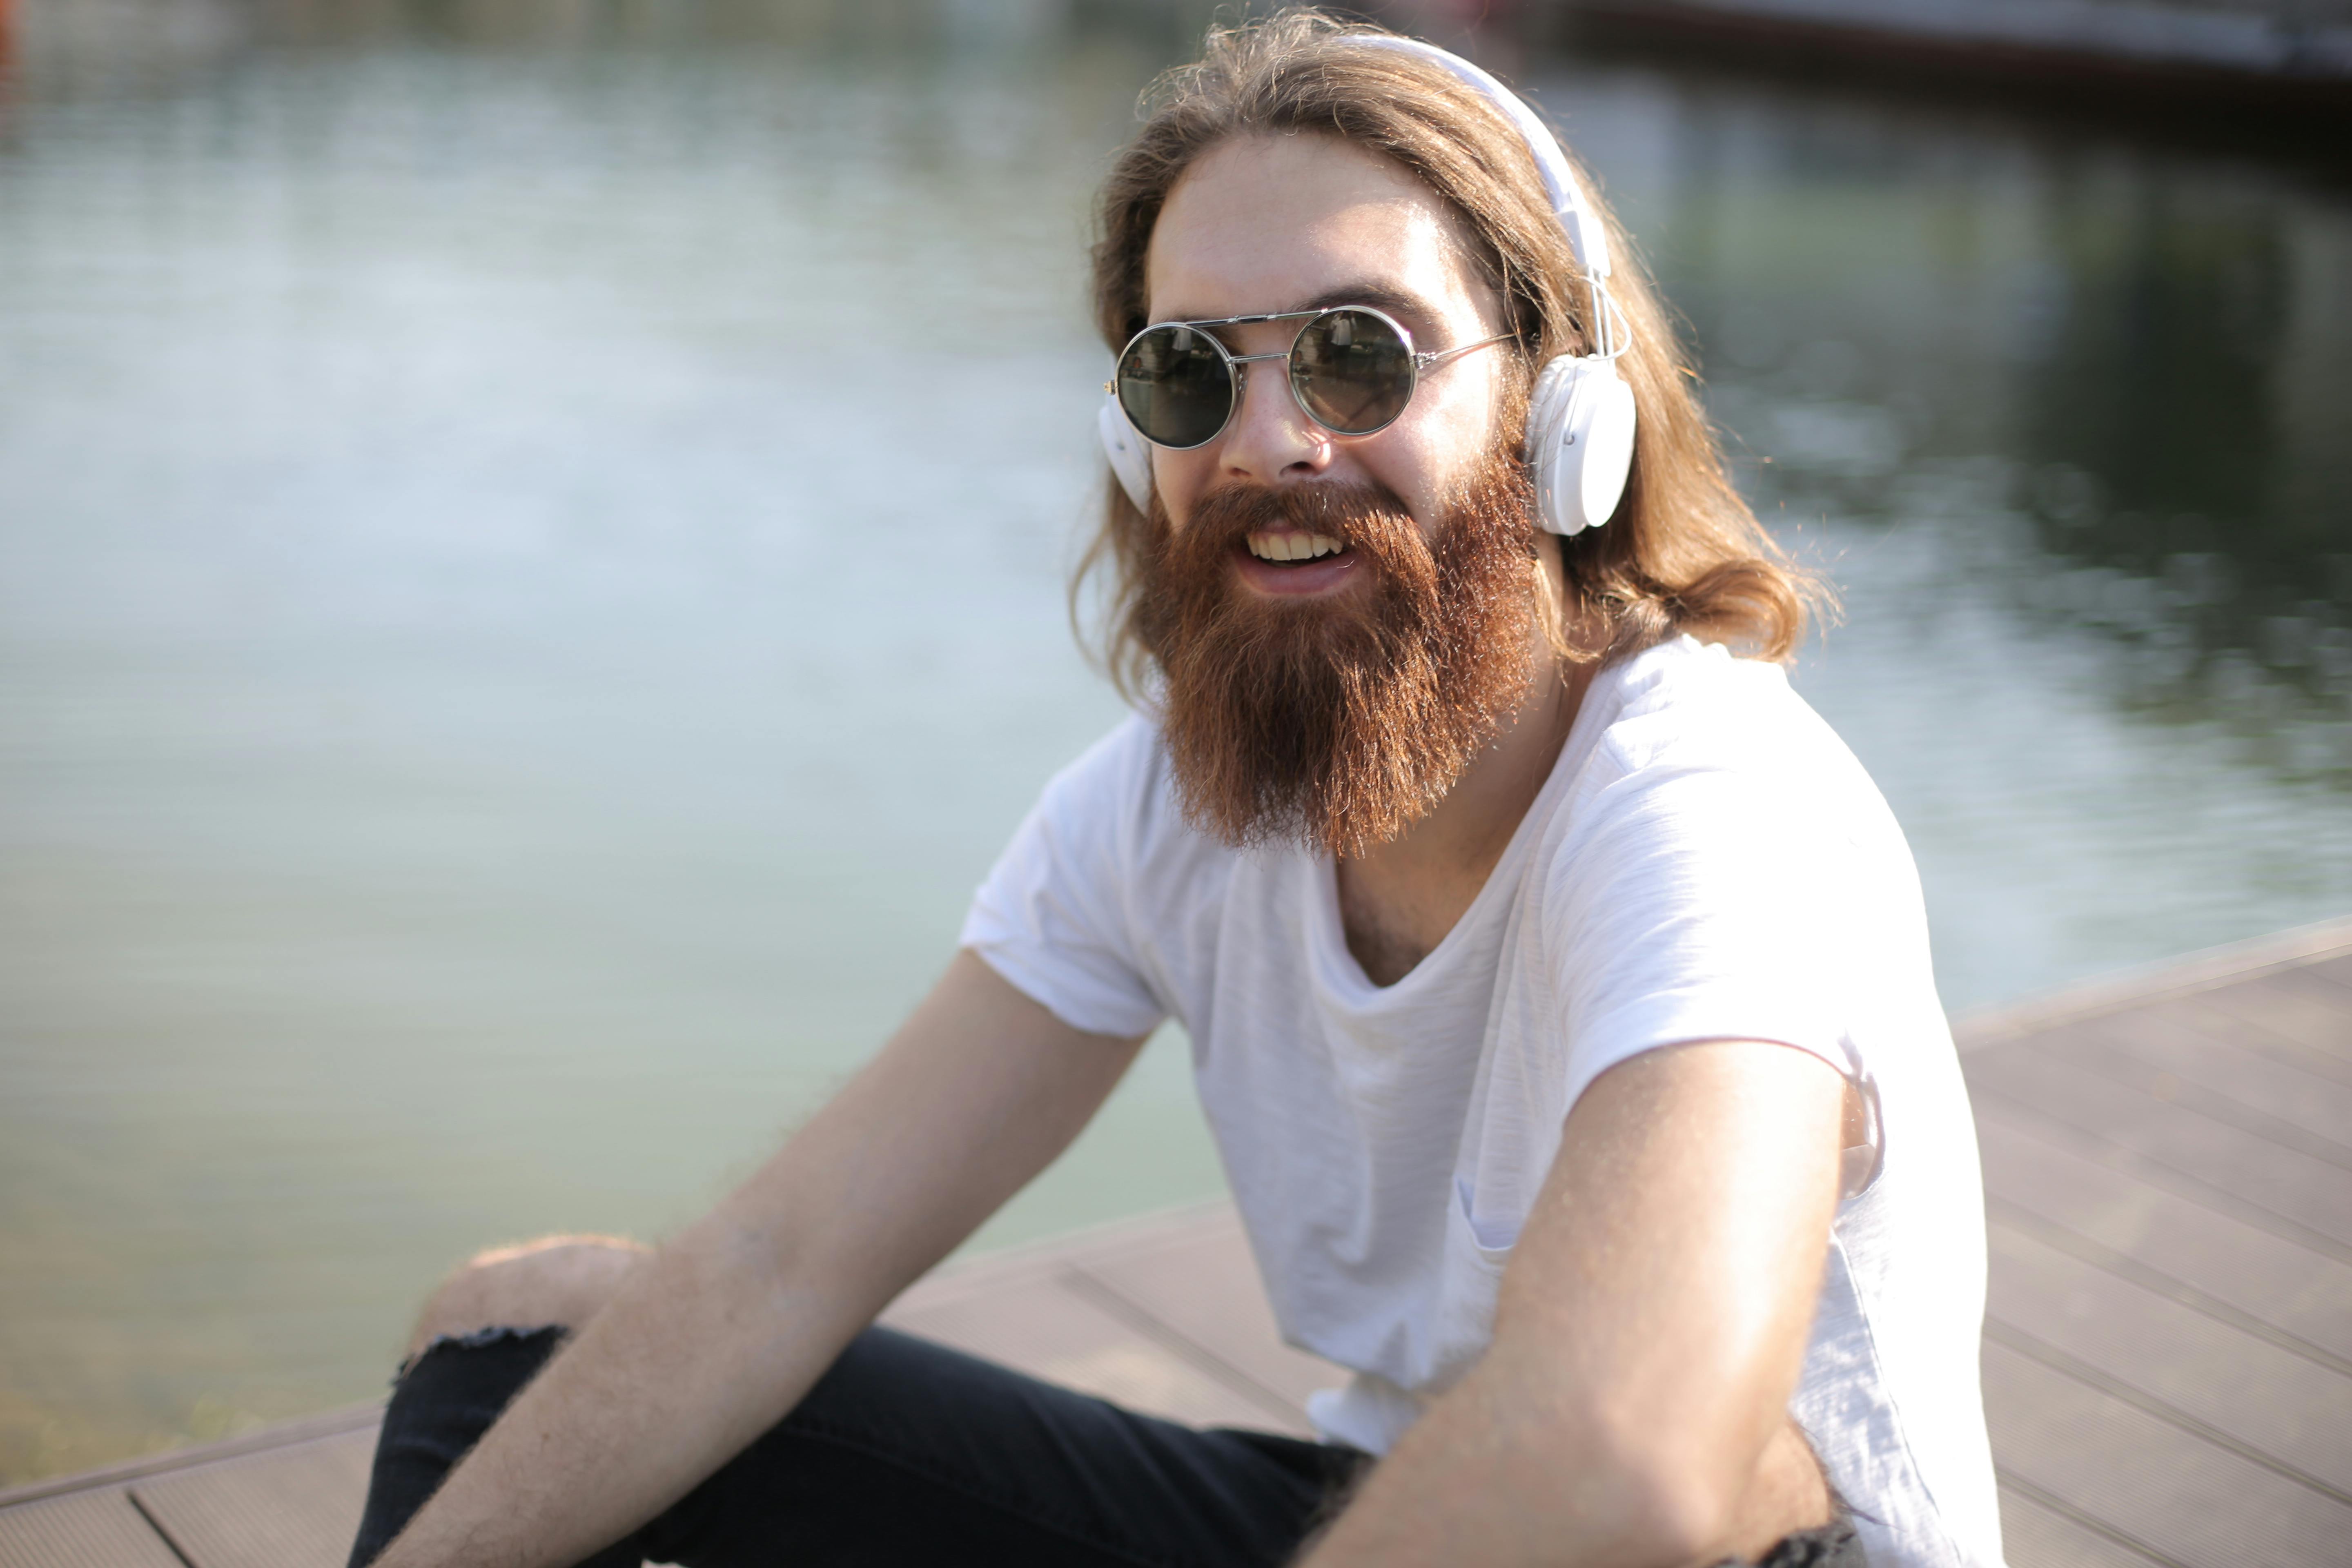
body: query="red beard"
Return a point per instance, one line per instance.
(1337, 724)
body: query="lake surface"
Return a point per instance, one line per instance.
(531, 555)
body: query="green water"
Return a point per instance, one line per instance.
(532, 543)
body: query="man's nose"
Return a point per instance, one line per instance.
(1271, 436)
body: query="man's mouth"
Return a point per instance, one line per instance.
(1285, 545)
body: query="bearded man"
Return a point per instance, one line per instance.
(1558, 985)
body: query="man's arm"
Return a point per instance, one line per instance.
(1632, 1407)
(717, 1336)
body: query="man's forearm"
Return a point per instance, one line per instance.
(703, 1348)
(1490, 1476)
(1496, 1476)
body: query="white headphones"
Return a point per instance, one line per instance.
(1580, 419)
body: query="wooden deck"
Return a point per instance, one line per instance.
(2168, 1352)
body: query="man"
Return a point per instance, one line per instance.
(1558, 985)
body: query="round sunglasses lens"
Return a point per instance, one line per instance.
(1175, 386)
(1351, 370)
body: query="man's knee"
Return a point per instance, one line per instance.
(557, 1280)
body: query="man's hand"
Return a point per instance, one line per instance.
(716, 1338)
(1633, 1408)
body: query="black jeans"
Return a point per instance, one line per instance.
(909, 1453)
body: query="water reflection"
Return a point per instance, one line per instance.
(530, 592)
(2193, 424)
(2130, 365)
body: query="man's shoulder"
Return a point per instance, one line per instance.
(1696, 752)
(1685, 706)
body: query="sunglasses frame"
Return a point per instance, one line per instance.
(1237, 377)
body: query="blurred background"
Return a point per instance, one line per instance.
(532, 537)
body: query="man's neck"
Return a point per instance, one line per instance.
(1398, 901)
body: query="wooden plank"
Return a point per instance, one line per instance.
(2147, 1482)
(968, 1279)
(296, 1507)
(2212, 1023)
(2337, 971)
(98, 1528)
(2167, 1041)
(1037, 1324)
(2308, 1194)
(2327, 985)
(2325, 946)
(2165, 1242)
(2243, 1012)
(2285, 1005)
(1202, 1284)
(2033, 1535)
(2279, 1406)
(326, 1424)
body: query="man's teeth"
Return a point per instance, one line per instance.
(1293, 546)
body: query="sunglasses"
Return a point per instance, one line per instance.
(1352, 371)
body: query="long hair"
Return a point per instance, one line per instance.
(1682, 553)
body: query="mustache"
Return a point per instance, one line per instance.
(1355, 513)
(1368, 519)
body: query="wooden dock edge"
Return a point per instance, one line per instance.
(261, 1440)
(2204, 971)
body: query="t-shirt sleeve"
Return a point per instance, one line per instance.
(1051, 917)
(1713, 902)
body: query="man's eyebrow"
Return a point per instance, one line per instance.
(1379, 297)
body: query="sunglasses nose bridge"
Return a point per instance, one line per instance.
(1274, 434)
(1240, 364)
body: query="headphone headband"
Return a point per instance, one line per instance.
(1586, 237)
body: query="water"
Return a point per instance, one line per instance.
(531, 578)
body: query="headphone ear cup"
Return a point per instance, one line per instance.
(1130, 456)
(1579, 443)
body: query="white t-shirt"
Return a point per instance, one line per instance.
(1707, 861)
